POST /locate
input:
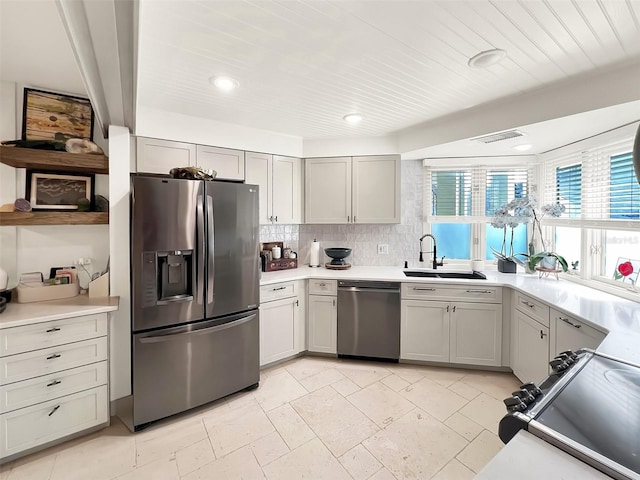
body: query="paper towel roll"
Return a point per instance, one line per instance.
(314, 260)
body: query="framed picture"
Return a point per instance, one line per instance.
(54, 116)
(56, 191)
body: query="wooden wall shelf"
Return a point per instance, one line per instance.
(53, 161)
(53, 218)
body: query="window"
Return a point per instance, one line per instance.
(461, 203)
(600, 227)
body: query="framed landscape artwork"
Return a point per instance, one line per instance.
(54, 191)
(54, 116)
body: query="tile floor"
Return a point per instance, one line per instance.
(311, 418)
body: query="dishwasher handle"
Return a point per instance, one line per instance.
(369, 289)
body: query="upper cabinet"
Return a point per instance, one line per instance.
(352, 189)
(229, 164)
(280, 181)
(160, 156)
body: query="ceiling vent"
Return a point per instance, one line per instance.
(498, 137)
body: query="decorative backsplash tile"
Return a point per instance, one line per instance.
(403, 239)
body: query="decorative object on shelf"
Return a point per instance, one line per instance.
(53, 191)
(55, 116)
(270, 262)
(627, 269)
(22, 205)
(37, 144)
(193, 173)
(101, 204)
(504, 219)
(82, 145)
(337, 255)
(84, 205)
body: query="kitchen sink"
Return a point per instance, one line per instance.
(445, 274)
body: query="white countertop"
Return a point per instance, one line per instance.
(18, 314)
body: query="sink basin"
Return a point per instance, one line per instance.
(445, 274)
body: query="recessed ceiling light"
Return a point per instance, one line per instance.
(353, 118)
(487, 58)
(523, 147)
(226, 84)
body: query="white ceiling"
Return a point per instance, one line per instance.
(302, 65)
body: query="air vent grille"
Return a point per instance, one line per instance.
(498, 137)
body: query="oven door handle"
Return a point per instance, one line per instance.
(167, 337)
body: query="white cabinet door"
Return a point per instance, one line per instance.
(278, 330)
(531, 356)
(476, 333)
(229, 164)
(259, 171)
(567, 333)
(323, 324)
(328, 190)
(376, 189)
(287, 197)
(160, 156)
(424, 331)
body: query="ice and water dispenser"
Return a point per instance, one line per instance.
(167, 277)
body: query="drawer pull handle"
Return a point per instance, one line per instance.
(322, 284)
(424, 289)
(55, 355)
(279, 288)
(54, 329)
(479, 291)
(530, 305)
(566, 320)
(54, 383)
(542, 335)
(55, 409)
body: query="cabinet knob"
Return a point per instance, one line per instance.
(334, 303)
(276, 219)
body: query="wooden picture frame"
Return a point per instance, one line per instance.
(55, 116)
(59, 191)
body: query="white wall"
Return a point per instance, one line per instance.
(184, 128)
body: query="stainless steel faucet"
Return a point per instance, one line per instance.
(436, 263)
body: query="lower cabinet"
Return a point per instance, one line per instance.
(567, 333)
(323, 324)
(53, 381)
(281, 321)
(460, 332)
(278, 329)
(530, 352)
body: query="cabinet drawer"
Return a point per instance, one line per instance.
(323, 287)
(47, 387)
(535, 309)
(57, 332)
(568, 333)
(437, 291)
(277, 291)
(32, 426)
(49, 360)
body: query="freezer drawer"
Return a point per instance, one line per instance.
(179, 368)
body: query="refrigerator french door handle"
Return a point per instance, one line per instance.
(200, 235)
(174, 336)
(211, 253)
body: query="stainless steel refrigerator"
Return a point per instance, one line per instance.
(195, 293)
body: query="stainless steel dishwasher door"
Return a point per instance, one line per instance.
(369, 319)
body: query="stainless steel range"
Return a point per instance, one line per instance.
(589, 407)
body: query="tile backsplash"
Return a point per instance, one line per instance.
(402, 239)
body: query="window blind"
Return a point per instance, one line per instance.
(624, 189)
(503, 186)
(568, 189)
(451, 193)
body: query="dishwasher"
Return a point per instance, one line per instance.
(369, 319)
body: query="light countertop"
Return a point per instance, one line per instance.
(18, 314)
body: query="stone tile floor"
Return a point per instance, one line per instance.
(311, 418)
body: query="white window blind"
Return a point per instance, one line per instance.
(451, 193)
(502, 186)
(597, 187)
